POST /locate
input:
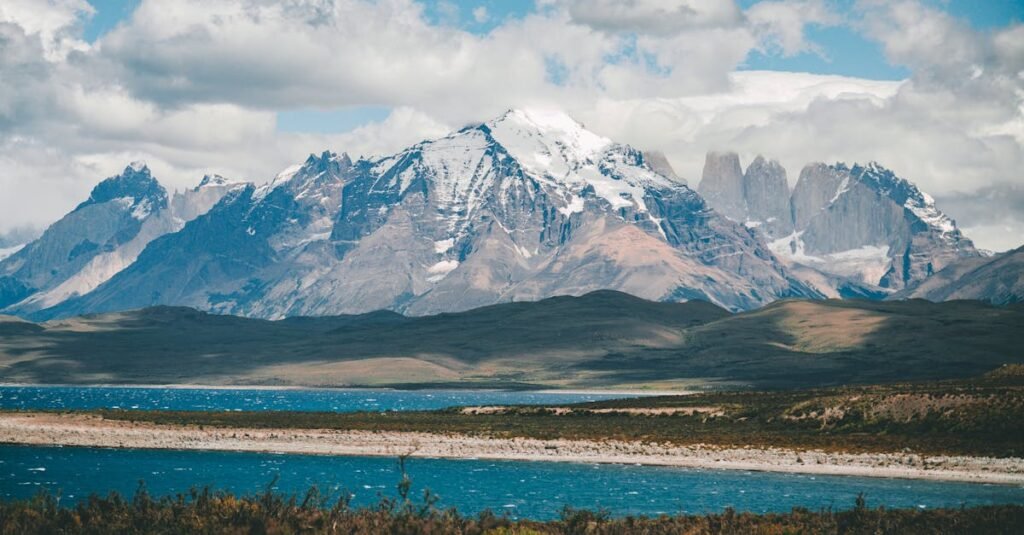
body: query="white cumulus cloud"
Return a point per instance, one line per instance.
(195, 86)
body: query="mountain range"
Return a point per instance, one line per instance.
(101, 237)
(526, 206)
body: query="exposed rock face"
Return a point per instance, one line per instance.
(866, 223)
(766, 194)
(112, 216)
(100, 237)
(721, 185)
(998, 280)
(190, 204)
(758, 198)
(658, 163)
(526, 206)
(858, 227)
(815, 189)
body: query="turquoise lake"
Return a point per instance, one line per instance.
(522, 489)
(228, 399)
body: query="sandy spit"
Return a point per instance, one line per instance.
(89, 430)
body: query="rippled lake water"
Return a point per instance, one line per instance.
(523, 489)
(228, 399)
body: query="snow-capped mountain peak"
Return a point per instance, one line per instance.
(302, 177)
(547, 141)
(210, 181)
(906, 193)
(523, 152)
(553, 147)
(134, 186)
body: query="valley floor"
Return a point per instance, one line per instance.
(83, 429)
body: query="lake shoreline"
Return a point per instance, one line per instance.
(541, 389)
(51, 429)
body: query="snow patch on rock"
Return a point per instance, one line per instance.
(443, 246)
(441, 270)
(8, 251)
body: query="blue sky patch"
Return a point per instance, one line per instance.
(843, 50)
(329, 121)
(108, 14)
(468, 15)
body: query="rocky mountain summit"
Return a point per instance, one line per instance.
(100, 237)
(861, 228)
(721, 185)
(757, 197)
(659, 163)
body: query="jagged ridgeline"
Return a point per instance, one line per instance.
(847, 231)
(526, 206)
(99, 238)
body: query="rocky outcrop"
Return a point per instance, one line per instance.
(721, 185)
(758, 197)
(998, 280)
(99, 238)
(860, 227)
(766, 195)
(659, 163)
(872, 212)
(816, 188)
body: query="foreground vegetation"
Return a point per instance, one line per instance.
(984, 416)
(206, 511)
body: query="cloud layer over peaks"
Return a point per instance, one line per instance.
(196, 86)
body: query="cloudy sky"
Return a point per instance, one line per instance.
(933, 89)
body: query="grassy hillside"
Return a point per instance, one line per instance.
(604, 339)
(842, 341)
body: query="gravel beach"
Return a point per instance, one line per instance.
(90, 430)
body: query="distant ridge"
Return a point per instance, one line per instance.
(601, 339)
(998, 279)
